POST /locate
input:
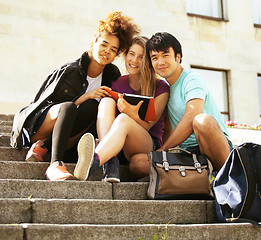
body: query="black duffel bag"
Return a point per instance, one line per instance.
(237, 186)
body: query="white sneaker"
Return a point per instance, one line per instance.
(85, 156)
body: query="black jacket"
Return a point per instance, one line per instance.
(66, 83)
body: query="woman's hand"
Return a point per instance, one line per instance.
(99, 92)
(125, 107)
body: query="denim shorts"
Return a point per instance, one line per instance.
(40, 120)
(156, 143)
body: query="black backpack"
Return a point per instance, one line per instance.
(237, 186)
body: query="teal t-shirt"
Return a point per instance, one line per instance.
(190, 85)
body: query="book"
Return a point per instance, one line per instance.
(147, 109)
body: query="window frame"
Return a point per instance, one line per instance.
(221, 19)
(257, 25)
(228, 113)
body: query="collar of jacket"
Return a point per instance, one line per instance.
(84, 63)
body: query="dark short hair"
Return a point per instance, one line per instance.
(162, 41)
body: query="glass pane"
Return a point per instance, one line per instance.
(210, 8)
(257, 11)
(225, 117)
(217, 83)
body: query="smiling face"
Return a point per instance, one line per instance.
(165, 63)
(105, 49)
(133, 60)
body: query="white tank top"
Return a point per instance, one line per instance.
(94, 83)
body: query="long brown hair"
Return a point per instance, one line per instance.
(148, 80)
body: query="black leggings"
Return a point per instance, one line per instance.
(70, 122)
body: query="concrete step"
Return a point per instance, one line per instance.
(10, 188)
(99, 211)
(40, 209)
(5, 129)
(6, 117)
(11, 154)
(6, 123)
(25, 170)
(5, 139)
(36, 171)
(129, 232)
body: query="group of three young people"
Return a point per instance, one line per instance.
(74, 97)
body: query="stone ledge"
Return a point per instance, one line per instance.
(36, 171)
(239, 136)
(22, 188)
(130, 232)
(10, 188)
(6, 117)
(11, 231)
(98, 211)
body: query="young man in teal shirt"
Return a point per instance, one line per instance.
(194, 121)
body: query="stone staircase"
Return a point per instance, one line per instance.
(33, 208)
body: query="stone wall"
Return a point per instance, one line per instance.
(38, 36)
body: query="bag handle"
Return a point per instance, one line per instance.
(258, 166)
(243, 156)
(243, 220)
(197, 165)
(176, 150)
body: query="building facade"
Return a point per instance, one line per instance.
(220, 38)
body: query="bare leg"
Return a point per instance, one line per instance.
(46, 128)
(59, 122)
(126, 134)
(212, 141)
(73, 140)
(106, 116)
(139, 165)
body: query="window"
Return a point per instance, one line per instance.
(208, 8)
(259, 93)
(257, 12)
(218, 86)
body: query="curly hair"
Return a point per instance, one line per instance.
(121, 26)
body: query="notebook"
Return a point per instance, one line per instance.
(147, 110)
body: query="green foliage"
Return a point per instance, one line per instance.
(154, 237)
(161, 234)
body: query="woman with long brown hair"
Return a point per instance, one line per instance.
(126, 131)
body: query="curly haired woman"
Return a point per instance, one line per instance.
(66, 105)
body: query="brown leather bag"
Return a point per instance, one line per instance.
(179, 174)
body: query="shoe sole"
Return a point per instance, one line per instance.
(64, 179)
(85, 156)
(112, 180)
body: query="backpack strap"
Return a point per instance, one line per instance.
(243, 220)
(257, 153)
(244, 158)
